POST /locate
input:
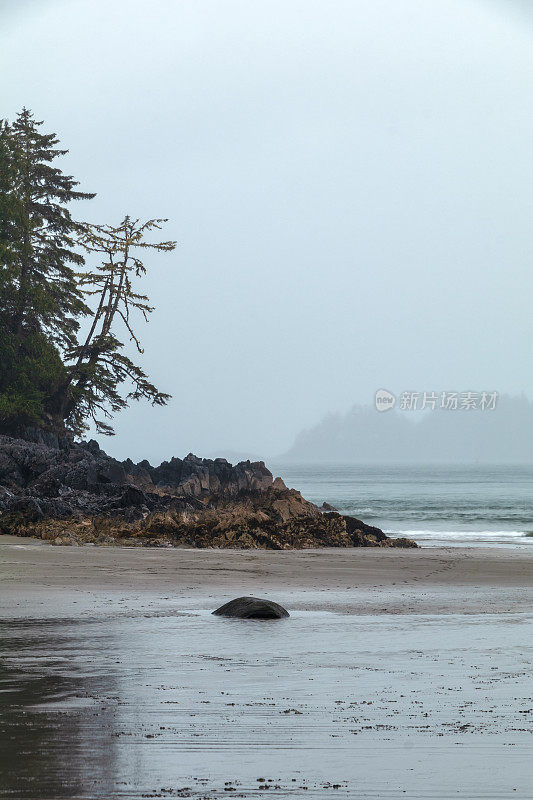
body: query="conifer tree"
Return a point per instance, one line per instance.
(98, 364)
(47, 377)
(7, 200)
(44, 292)
(10, 222)
(39, 297)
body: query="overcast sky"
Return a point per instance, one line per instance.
(350, 183)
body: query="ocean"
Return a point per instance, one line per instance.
(432, 504)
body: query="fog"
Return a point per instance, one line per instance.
(499, 434)
(350, 184)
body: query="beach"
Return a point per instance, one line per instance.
(398, 673)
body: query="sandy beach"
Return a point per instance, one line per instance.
(356, 581)
(399, 673)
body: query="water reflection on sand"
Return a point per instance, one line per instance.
(127, 703)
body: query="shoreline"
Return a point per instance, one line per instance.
(435, 580)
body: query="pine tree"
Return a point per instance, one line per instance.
(46, 294)
(40, 300)
(10, 222)
(47, 377)
(98, 364)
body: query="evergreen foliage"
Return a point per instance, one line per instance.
(99, 366)
(48, 377)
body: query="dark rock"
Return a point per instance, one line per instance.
(401, 541)
(133, 497)
(139, 472)
(93, 447)
(326, 507)
(111, 472)
(78, 488)
(363, 535)
(251, 608)
(28, 506)
(39, 436)
(46, 485)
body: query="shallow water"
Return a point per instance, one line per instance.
(168, 702)
(433, 504)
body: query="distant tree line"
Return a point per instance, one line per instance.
(67, 295)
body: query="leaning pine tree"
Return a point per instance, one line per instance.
(98, 365)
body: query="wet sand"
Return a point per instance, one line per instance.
(399, 673)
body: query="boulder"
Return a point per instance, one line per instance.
(251, 608)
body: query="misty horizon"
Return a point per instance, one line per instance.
(349, 185)
(435, 436)
(362, 435)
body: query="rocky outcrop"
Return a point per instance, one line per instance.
(75, 493)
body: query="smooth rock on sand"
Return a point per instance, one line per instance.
(251, 608)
